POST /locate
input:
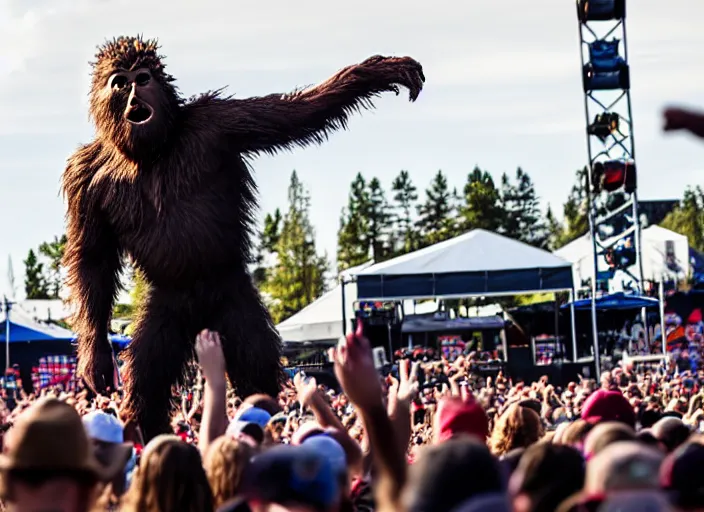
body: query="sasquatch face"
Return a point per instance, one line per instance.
(133, 102)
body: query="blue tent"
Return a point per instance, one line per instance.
(23, 328)
(616, 301)
(477, 263)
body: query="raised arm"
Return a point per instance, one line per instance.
(271, 123)
(92, 260)
(677, 119)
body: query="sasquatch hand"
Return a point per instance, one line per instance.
(97, 371)
(388, 73)
(680, 119)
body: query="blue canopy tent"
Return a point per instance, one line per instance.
(615, 301)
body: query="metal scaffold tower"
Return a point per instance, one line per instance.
(614, 222)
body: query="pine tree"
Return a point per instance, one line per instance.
(54, 252)
(405, 197)
(353, 242)
(436, 214)
(35, 285)
(522, 218)
(268, 238)
(688, 218)
(481, 208)
(379, 220)
(298, 277)
(576, 210)
(555, 230)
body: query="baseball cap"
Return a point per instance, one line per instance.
(254, 415)
(681, 476)
(237, 428)
(606, 405)
(288, 475)
(104, 427)
(456, 416)
(329, 448)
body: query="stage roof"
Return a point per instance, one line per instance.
(476, 263)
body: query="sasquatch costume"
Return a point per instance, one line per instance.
(166, 183)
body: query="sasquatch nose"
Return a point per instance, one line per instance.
(133, 101)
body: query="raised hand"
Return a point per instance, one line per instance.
(210, 356)
(305, 388)
(355, 371)
(408, 386)
(676, 119)
(390, 73)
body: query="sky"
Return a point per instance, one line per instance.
(503, 89)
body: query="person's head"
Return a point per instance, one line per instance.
(517, 427)
(456, 417)
(605, 434)
(604, 405)
(576, 433)
(682, 478)
(623, 466)
(225, 461)
(106, 433)
(264, 402)
(47, 458)
(671, 432)
(170, 476)
(294, 478)
(449, 474)
(546, 475)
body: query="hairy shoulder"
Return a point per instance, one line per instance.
(81, 166)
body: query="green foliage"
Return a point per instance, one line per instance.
(298, 278)
(575, 211)
(520, 205)
(405, 197)
(35, 283)
(436, 215)
(688, 218)
(54, 252)
(482, 207)
(353, 241)
(379, 220)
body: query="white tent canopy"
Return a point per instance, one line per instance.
(476, 263)
(664, 253)
(322, 319)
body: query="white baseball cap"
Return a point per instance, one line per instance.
(104, 427)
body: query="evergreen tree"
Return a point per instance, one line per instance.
(555, 230)
(298, 277)
(522, 218)
(436, 215)
(688, 218)
(405, 197)
(482, 207)
(379, 221)
(35, 285)
(576, 210)
(54, 252)
(268, 238)
(353, 241)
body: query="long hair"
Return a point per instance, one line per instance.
(170, 478)
(517, 427)
(226, 461)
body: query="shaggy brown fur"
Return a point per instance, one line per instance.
(177, 197)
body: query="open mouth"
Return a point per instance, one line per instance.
(139, 113)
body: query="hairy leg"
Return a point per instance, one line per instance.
(251, 344)
(162, 345)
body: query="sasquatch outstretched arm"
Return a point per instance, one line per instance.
(92, 261)
(274, 122)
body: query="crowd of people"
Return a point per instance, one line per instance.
(432, 435)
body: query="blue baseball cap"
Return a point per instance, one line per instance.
(327, 447)
(288, 475)
(255, 415)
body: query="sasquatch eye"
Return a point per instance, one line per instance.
(142, 79)
(118, 82)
